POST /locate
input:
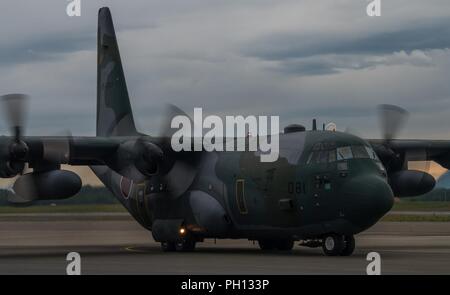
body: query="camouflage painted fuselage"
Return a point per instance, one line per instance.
(235, 195)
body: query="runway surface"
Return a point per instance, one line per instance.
(118, 245)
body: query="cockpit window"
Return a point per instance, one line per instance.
(371, 153)
(323, 157)
(332, 156)
(328, 153)
(360, 151)
(344, 153)
(318, 157)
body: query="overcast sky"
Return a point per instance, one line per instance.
(296, 59)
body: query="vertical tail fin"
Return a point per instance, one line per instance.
(114, 114)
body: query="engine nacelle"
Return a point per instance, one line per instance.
(49, 185)
(410, 183)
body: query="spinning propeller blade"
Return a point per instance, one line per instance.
(180, 168)
(392, 118)
(15, 107)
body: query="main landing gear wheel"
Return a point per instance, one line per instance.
(282, 245)
(185, 245)
(349, 246)
(333, 244)
(266, 245)
(168, 246)
(285, 245)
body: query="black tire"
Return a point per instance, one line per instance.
(266, 245)
(285, 245)
(185, 245)
(333, 244)
(168, 246)
(349, 246)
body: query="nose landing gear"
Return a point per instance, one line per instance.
(168, 246)
(185, 245)
(334, 245)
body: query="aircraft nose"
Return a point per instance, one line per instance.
(366, 199)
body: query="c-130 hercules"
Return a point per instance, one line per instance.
(325, 186)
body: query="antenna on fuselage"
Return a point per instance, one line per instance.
(314, 125)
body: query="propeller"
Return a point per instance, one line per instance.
(14, 155)
(180, 168)
(15, 106)
(392, 119)
(15, 109)
(137, 159)
(153, 158)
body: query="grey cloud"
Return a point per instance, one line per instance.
(322, 53)
(334, 63)
(54, 46)
(45, 48)
(435, 35)
(194, 59)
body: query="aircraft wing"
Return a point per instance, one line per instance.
(403, 150)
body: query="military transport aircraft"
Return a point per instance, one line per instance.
(325, 186)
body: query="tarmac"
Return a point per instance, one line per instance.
(116, 244)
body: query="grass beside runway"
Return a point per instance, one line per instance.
(416, 218)
(421, 206)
